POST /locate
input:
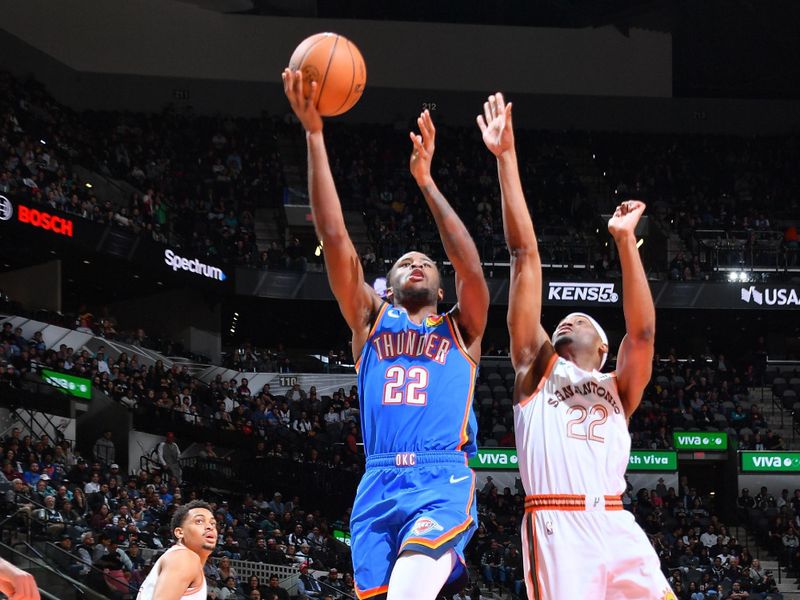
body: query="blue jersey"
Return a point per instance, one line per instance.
(416, 384)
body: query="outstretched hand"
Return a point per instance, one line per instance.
(302, 105)
(422, 151)
(16, 584)
(626, 216)
(496, 126)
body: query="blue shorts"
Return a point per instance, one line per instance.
(418, 501)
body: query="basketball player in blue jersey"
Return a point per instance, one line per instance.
(415, 506)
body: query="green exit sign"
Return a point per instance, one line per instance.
(653, 460)
(697, 440)
(69, 384)
(771, 462)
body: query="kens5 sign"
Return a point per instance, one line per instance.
(564, 291)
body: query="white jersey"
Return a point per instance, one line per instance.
(147, 591)
(571, 433)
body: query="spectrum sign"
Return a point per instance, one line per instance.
(192, 265)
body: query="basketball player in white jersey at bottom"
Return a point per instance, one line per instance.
(178, 573)
(571, 420)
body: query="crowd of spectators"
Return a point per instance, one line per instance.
(695, 548)
(199, 181)
(776, 523)
(111, 527)
(301, 424)
(702, 393)
(708, 393)
(194, 182)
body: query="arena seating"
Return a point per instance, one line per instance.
(696, 186)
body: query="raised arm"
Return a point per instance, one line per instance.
(471, 290)
(358, 301)
(635, 356)
(528, 337)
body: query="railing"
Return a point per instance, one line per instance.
(39, 424)
(81, 589)
(787, 370)
(50, 546)
(737, 250)
(287, 574)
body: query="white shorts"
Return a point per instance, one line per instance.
(580, 549)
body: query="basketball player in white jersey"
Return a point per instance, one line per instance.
(178, 573)
(571, 420)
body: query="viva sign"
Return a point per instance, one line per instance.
(771, 462)
(494, 459)
(69, 384)
(696, 440)
(653, 460)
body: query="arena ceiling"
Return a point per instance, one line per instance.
(721, 48)
(652, 14)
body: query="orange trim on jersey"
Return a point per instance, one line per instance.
(464, 438)
(436, 542)
(372, 329)
(533, 571)
(547, 371)
(471, 493)
(456, 333)
(569, 502)
(371, 592)
(472, 375)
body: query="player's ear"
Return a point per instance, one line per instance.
(178, 533)
(389, 295)
(440, 294)
(603, 350)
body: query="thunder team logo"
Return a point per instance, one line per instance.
(425, 525)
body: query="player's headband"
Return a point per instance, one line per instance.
(600, 331)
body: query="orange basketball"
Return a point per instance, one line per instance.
(336, 65)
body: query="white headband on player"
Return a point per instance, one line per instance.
(600, 331)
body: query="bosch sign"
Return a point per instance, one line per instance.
(36, 218)
(193, 266)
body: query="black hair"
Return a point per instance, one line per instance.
(179, 517)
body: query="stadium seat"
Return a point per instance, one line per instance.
(779, 386)
(794, 385)
(789, 399)
(771, 372)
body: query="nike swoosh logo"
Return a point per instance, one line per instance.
(454, 480)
